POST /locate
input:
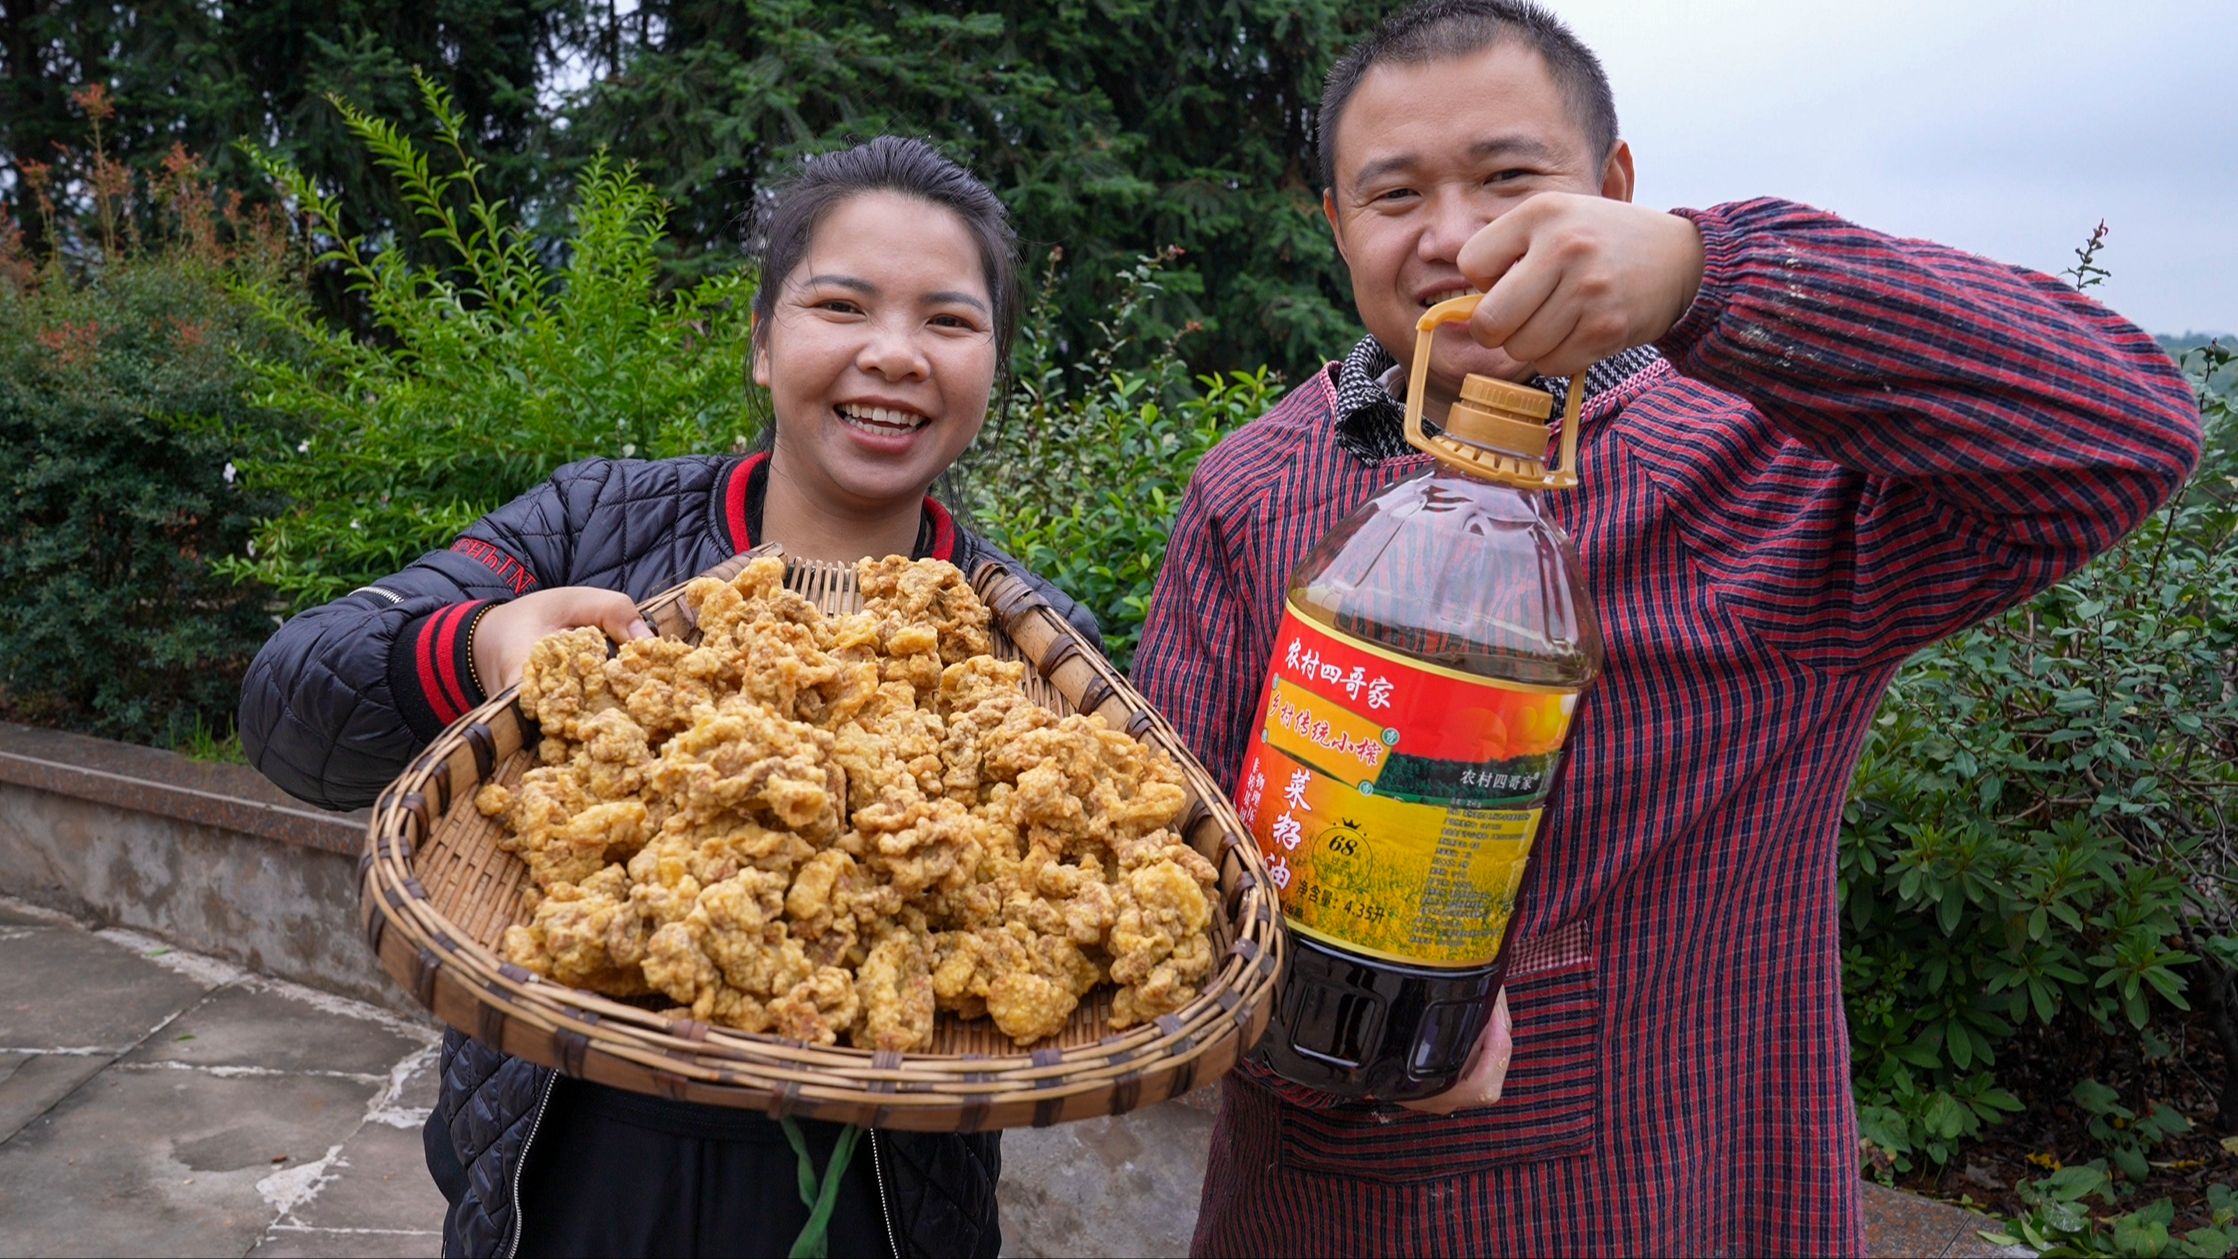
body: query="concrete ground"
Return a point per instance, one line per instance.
(156, 1102)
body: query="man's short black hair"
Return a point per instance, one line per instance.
(1456, 28)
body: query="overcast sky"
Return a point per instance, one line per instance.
(2002, 127)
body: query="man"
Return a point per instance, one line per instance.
(1808, 450)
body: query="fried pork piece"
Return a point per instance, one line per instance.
(769, 643)
(1029, 984)
(572, 937)
(911, 655)
(834, 903)
(781, 665)
(1158, 946)
(732, 960)
(895, 986)
(854, 638)
(817, 1009)
(1055, 898)
(919, 846)
(611, 757)
(1079, 781)
(742, 763)
(660, 694)
(568, 821)
(890, 749)
(496, 800)
(564, 682)
(563, 832)
(741, 912)
(909, 596)
(976, 697)
(723, 609)
(712, 854)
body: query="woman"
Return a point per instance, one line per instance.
(887, 312)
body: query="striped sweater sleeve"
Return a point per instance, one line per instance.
(1190, 661)
(1929, 437)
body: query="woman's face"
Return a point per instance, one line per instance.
(880, 352)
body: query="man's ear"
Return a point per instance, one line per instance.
(1616, 173)
(1329, 212)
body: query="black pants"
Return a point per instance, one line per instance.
(614, 1173)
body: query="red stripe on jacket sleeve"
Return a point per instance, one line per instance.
(430, 671)
(433, 650)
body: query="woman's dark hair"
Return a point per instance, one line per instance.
(912, 168)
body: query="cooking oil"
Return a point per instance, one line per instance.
(1433, 650)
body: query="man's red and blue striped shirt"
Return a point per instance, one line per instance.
(1852, 446)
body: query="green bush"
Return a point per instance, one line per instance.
(482, 376)
(117, 373)
(2058, 1222)
(2040, 832)
(1083, 474)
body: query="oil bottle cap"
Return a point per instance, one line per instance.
(1496, 416)
(1494, 394)
(1495, 429)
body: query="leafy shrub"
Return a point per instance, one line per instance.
(117, 368)
(484, 375)
(2058, 1221)
(1082, 476)
(2040, 829)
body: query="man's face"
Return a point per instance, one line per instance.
(1427, 154)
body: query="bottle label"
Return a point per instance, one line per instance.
(1395, 800)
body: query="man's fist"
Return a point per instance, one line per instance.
(1570, 279)
(504, 635)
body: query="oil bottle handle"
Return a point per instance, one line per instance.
(1453, 310)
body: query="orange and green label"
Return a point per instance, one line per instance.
(1396, 800)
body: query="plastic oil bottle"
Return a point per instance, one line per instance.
(1431, 655)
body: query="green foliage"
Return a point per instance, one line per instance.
(1113, 129)
(2058, 1222)
(114, 372)
(2039, 829)
(2120, 1132)
(1082, 476)
(205, 75)
(489, 371)
(204, 743)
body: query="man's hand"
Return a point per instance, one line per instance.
(1569, 280)
(504, 635)
(1487, 1070)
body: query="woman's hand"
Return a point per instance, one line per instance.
(1487, 1070)
(504, 635)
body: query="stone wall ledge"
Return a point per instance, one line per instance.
(151, 780)
(209, 857)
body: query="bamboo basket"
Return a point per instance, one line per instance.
(438, 894)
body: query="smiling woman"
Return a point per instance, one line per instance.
(881, 331)
(879, 368)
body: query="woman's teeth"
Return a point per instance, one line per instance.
(1449, 295)
(881, 420)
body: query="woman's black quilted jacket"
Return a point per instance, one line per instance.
(344, 694)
